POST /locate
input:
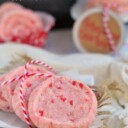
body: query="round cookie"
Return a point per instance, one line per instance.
(29, 85)
(61, 102)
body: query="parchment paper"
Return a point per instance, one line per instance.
(104, 69)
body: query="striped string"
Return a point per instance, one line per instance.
(107, 28)
(26, 72)
(37, 62)
(106, 7)
(23, 77)
(24, 110)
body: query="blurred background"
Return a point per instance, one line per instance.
(60, 39)
(60, 9)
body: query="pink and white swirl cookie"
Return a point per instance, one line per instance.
(9, 6)
(23, 26)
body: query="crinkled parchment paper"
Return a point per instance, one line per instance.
(110, 77)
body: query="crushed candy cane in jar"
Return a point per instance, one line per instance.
(21, 25)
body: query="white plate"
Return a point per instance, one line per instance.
(95, 64)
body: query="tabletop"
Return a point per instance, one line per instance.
(61, 42)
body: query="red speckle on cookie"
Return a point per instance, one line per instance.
(86, 100)
(1, 97)
(62, 98)
(72, 120)
(71, 102)
(59, 87)
(50, 85)
(74, 83)
(52, 101)
(81, 85)
(12, 93)
(87, 92)
(41, 113)
(29, 85)
(81, 107)
(38, 70)
(8, 107)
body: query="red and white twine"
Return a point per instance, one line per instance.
(106, 27)
(38, 63)
(26, 74)
(22, 78)
(24, 110)
(11, 80)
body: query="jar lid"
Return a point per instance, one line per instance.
(89, 34)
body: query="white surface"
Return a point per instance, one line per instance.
(74, 74)
(101, 67)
